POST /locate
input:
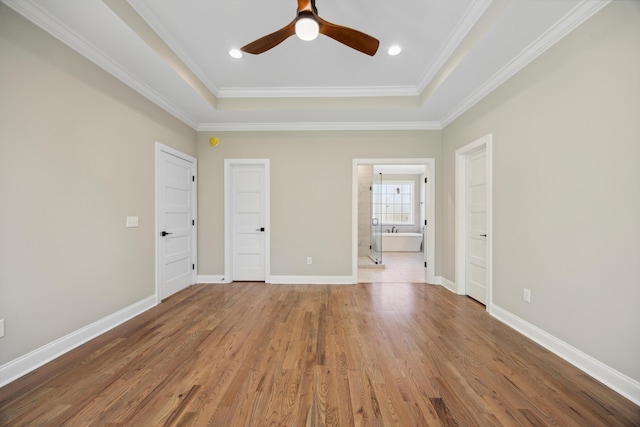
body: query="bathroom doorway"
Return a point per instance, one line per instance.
(393, 210)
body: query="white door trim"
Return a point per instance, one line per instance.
(462, 155)
(163, 148)
(228, 215)
(430, 244)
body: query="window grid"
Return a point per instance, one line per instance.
(393, 202)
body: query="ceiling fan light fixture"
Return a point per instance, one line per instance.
(307, 25)
(307, 29)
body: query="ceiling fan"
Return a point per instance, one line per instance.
(307, 25)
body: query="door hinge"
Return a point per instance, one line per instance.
(370, 188)
(425, 264)
(193, 266)
(193, 178)
(193, 222)
(425, 180)
(370, 247)
(425, 222)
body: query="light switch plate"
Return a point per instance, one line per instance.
(132, 221)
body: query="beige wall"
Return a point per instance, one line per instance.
(311, 177)
(76, 158)
(566, 207)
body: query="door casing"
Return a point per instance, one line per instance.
(159, 148)
(430, 190)
(461, 158)
(229, 164)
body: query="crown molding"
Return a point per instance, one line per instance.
(466, 24)
(318, 92)
(51, 25)
(161, 30)
(559, 30)
(323, 126)
(585, 9)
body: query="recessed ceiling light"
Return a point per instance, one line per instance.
(394, 50)
(235, 53)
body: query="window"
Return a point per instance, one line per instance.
(393, 202)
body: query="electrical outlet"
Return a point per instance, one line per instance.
(1, 328)
(309, 260)
(527, 295)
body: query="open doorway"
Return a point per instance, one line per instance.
(393, 220)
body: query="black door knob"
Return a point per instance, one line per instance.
(164, 233)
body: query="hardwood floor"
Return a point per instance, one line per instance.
(250, 354)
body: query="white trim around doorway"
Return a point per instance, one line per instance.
(430, 244)
(229, 164)
(166, 149)
(461, 206)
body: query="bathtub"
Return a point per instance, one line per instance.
(401, 242)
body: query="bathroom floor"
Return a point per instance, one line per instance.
(398, 267)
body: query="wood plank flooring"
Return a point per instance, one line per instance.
(251, 354)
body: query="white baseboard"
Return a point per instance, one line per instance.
(23, 365)
(617, 381)
(446, 283)
(211, 279)
(312, 280)
(290, 280)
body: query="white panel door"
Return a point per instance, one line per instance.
(176, 218)
(248, 222)
(476, 264)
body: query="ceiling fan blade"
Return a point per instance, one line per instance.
(350, 37)
(270, 41)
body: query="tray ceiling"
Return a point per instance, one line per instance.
(177, 54)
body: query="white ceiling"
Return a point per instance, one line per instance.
(454, 53)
